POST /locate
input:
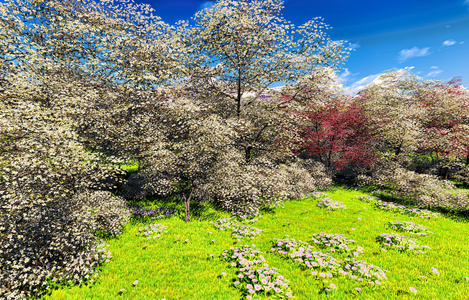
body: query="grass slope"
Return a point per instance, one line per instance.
(171, 268)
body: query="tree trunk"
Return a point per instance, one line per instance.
(398, 150)
(238, 98)
(248, 152)
(187, 200)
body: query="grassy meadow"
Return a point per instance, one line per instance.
(184, 260)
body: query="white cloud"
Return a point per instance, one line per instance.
(346, 76)
(461, 42)
(448, 43)
(433, 73)
(206, 4)
(435, 70)
(355, 45)
(360, 84)
(375, 79)
(405, 54)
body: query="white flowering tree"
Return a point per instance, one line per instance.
(253, 47)
(445, 124)
(75, 76)
(224, 143)
(390, 102)
(413, 116)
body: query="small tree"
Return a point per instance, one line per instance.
(198, 157)
(337, 133)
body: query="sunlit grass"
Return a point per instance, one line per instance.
(131, 166)
(171, 268)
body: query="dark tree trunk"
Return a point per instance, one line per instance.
(398, 150)
(238, 98)
(187, 200)
(247, 151)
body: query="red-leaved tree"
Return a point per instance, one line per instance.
(337, 132)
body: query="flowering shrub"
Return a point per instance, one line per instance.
(399, 208)
(336, 243)
(56, 245)
(109, 212)
(254, 277)
(410, 227)
(331, 204)
(425, 190)
(150, 213)
(359, 269)
(394, 207)
(152, 229)
(237, 185)
(239, 228)
(324, 266)
(302, 253)
(318, 194)
(246, 216)
(399, 242)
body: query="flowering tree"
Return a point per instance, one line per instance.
(68, 70)
(198, 158)
(389, 102)
(225, 140)
(445, 122)
(253, 47)
(429, 118)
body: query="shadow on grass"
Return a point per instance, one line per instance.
(456, 215)
(199, 210)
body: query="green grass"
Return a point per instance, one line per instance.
(131, 166)
(170, 268)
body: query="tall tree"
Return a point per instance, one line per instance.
(253, 47)
(69, 82)
(235, 51)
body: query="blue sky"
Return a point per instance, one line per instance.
(430, 37)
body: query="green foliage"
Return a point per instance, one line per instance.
(131, 166)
